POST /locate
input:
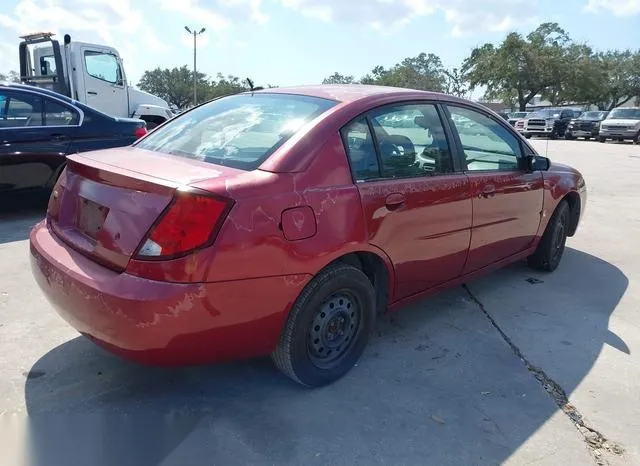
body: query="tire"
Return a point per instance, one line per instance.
(636, 140)
(340, 298)
(587, 138)
(601, 139)
(151, 125)
(549, 252)
(527, 135)
(569, 137)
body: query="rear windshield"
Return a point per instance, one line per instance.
(238, 131)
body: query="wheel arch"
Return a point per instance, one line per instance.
(378, 269)
(575, 207)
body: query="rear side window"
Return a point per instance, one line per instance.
(56, 114)
(361, 150)
(239, 131)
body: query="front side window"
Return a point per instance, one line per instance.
(487, 145)
(239, 131)
(103, 66)
(20, 110)
(411, 141)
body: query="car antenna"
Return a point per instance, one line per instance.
(546, 149)
(251, 86)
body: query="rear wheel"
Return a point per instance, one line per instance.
(636, 140)
(569, 136)
(551, 247)
(601, 139)
(587, 138)
(527, 135)
(328, 327)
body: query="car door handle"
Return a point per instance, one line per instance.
(394, 201)
(92, 92)
(58, 137)
(488, 191)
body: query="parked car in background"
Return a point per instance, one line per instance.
(550, 122)
(38, 128)
(586, 125)
(217, 237)
(621, 124)
(516, 116)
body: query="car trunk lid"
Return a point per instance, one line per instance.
(106, 201)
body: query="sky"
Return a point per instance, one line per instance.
(290, 42)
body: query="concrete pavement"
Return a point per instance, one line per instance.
(515, 368)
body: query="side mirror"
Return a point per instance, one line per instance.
(538, 163)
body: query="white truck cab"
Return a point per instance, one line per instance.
(90, 73)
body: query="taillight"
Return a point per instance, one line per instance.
(140, 131)
(190, 222)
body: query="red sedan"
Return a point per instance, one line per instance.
(284, 221)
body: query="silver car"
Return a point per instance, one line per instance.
(621, 124)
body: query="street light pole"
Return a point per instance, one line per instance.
(195, 71)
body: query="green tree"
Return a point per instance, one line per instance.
(520, 67)
(424, 72)
(174, 85)
(338, 78)
(456, 83)
(620, 78)
(11, 76)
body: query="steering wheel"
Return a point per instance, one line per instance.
(396, 145)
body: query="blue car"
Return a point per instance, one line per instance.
(38, 128)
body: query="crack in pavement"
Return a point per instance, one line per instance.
(595, 440)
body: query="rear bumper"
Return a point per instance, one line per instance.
(160, 322)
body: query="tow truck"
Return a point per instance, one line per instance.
(89, 73)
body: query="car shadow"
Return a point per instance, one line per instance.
(437, 385)
(19, 212)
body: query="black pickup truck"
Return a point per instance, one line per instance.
(585, 126)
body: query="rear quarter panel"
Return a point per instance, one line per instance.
(251, 242)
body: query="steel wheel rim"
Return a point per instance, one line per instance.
(333, 329)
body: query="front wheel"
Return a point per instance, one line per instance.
(601, 139)
(569, 137)
(328, 328)
(527, 135)
(547, 256)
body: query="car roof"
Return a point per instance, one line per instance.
(349, 92)
(39, 90)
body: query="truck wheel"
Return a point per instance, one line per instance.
(151, 125)
(601, 139)
(328, 327)
(569, 136)
(551, 247)
(527, 135)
